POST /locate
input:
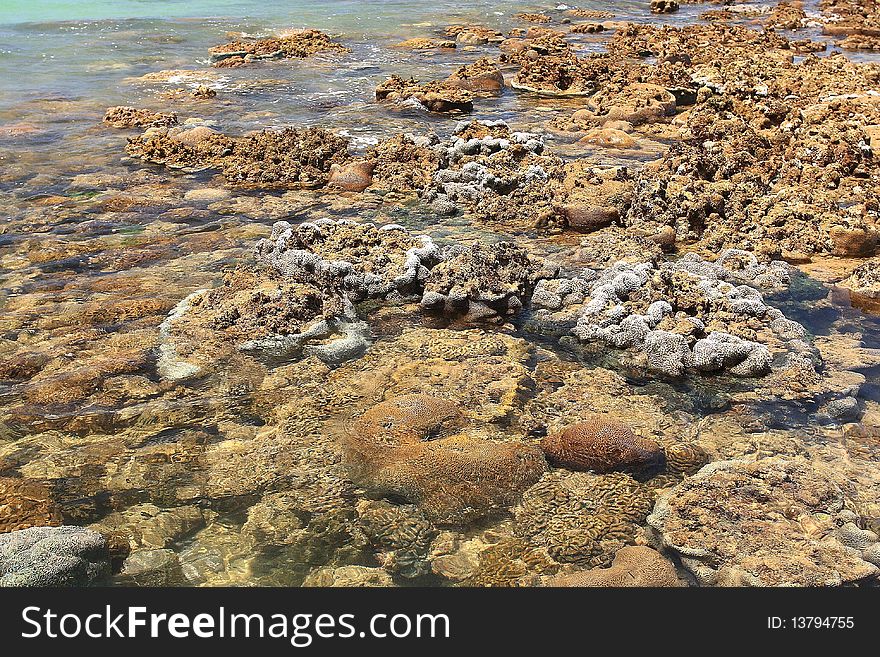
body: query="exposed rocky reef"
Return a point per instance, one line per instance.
(687, 314)
(131, 117)
(296, 44)
(438, 96)
(291, 158)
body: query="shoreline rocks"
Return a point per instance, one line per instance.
(294, 45)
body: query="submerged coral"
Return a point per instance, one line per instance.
(769, 522)
(633, 565)
(601, 445)
(454, 479)
(53, 556)
(583, 518)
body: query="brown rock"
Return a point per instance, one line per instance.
(608, 138)
(483, 76)
(859, 242)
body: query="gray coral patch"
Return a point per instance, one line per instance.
(53, 556)
(687, 315)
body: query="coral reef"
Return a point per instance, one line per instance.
(454, 479)
(864, 286)
(360, 260)
(293, 45)
(483, 281)
(440, 96)
(633, 565)
(583, 518)
(688, 314)
(131, 117)
(53, 556)
(481, 77)
(601, 444)
(291, 158)
(768, 522)
(470, 35)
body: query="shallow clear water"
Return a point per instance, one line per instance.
(95, 250)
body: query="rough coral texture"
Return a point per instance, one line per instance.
(289, 158)
(769, 522)
(483, 280)
(359, 260)
(405, 163)
(549, 66)
(255, 312)
(633, 565)
(635, 103)
(53, 556)
(692, 314)
(295, 45)
(601, 444)
(435, 96)
(400, 536)
(864, 286)
(772, 156)
(583, 518)
(131, 117)
(293, 157)
(454, 479)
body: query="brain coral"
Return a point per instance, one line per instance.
(453, 479)
(769, 522)
(633, 565)
(400, 535)
(409, 418)
(602, 444)
(581, 517)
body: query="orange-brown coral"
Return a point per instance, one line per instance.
(454, 479)
(602, 444)
(24, 504)
(633, 565)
